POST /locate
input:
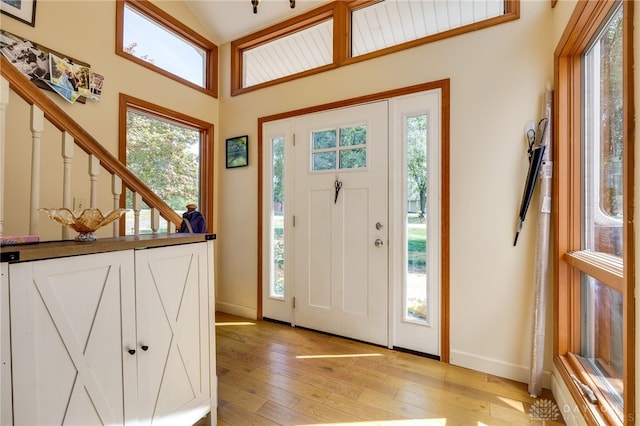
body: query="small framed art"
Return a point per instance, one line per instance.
(237, 151)
(22, 10)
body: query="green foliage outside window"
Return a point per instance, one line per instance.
(165, 156)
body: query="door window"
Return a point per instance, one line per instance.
(342, 148)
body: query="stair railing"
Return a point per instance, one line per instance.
(43, 108)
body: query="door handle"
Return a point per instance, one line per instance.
(379, 226)
(379, 243)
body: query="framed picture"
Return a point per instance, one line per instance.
(237, 151)
(22, 10)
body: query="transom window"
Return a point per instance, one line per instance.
(258, 61)
(391, 23)
(343, 32)
(343, 148)
(152, 38)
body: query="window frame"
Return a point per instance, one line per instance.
(511, 12)
(172, 25)
(207, 155)
(283, 29)
(340, 11)
(569, 258)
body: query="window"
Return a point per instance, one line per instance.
(344, 32)
(171, 154)
(390, 23)
(300, 46)
(152, 38)
(343, 148)
(416, 284)
(292, 52)
(593, 242)
(277, 284)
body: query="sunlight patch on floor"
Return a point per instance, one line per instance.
(409, 422)
(336, 356)
(517, 405)
(218, 324)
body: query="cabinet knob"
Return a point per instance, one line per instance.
(144, 347)
(132, 351)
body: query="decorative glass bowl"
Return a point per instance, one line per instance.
(85, 222)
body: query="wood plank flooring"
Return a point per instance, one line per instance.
(274, 374)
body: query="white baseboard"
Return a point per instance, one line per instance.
(568, 408)
(241, 311)
(496, 367)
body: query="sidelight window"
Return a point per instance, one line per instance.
(277, 283)
(415, 291)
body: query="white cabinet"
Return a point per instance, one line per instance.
(114, 338)
(5, 349)
(173, 317)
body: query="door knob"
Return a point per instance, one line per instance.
(144, 347)
(379, 243)
(132, 351)
(379, 226)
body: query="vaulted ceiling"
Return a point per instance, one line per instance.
(228, 20)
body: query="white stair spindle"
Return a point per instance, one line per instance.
(68, 146)
(137, 206)
(171, 228)
(4, 102)
(155, 220)
(94, 171)
(116, 190)
(37, 126)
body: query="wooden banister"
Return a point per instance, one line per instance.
(31, 94)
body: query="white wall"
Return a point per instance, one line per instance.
(498, 77)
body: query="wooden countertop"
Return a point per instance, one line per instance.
(55, 249)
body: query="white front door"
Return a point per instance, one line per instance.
(328, 265)
(341, 222)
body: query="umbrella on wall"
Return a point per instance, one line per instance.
(535, 137)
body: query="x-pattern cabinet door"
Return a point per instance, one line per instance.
(172, 322)
(67, 339)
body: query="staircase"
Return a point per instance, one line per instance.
(45, 115)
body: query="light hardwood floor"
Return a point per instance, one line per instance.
(274, 374)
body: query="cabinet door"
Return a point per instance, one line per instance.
(173, 334)
(6, 416)
(67, 339)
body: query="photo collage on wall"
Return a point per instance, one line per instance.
(71, 79)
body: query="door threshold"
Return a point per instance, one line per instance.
(418, 353)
